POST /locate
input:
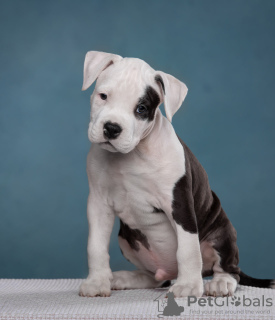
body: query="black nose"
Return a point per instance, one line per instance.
(111, 130)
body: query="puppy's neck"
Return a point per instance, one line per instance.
(156, 136)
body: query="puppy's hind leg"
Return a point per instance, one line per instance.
(225, 268)
(138, 279)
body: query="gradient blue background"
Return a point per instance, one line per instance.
(223, 50)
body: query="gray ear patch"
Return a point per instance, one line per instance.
(159, 79)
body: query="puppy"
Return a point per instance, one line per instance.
(172, 225)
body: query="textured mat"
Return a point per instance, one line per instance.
(58, 299)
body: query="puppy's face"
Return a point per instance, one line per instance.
(127, 93)
(123, 105)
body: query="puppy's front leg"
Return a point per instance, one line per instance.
(101, 220)
(189, 281)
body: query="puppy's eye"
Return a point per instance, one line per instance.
(103, 96)
(141, 109)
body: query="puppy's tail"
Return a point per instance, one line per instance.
(245, 280)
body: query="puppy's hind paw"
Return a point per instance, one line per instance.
(220, 286)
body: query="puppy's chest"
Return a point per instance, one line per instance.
(141, 191)
(135, 198)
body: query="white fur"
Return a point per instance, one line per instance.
(101, 221)
(189, 281)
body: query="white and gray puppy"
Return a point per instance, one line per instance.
(172, 225)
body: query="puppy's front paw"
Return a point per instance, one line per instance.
(94, 287)
(185, 288)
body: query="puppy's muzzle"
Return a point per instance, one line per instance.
(111, 130)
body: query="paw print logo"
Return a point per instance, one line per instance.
(236, 301)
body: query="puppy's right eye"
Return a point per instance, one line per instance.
(103, 96)
(141, 109)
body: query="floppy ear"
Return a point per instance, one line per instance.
(95, 62)
(173, 92)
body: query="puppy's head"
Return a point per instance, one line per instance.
(127, 93)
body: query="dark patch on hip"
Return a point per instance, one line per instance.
(150, 100)
(132, 236)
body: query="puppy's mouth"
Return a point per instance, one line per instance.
(107, 145)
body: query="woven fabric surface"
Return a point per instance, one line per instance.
(58, 299)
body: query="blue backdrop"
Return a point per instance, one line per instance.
(223, 51)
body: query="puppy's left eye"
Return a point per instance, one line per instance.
(141, 109)
(103, 96)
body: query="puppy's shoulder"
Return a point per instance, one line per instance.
(193, 167)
